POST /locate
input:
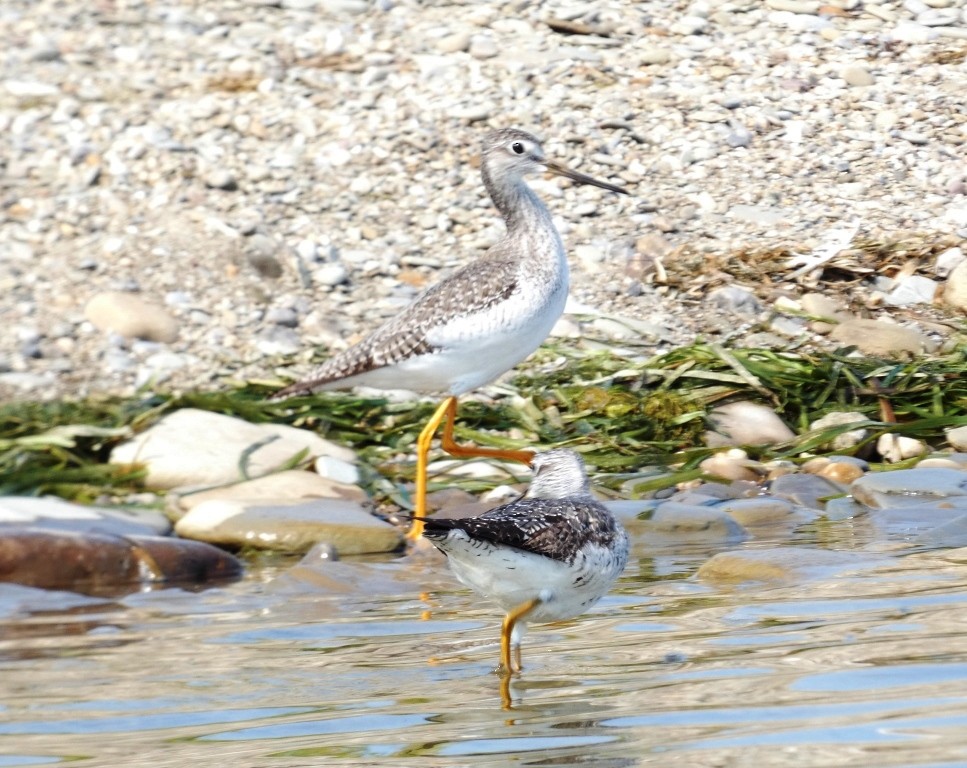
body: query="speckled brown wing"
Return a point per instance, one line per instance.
(475, 288)
(554, 528)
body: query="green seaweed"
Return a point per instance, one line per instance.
(623, 413)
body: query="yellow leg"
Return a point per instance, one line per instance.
(510, 620)
(422, 459)
(447, 411)
(454, 449)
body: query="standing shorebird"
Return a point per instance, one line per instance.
(478, 323)
(548, 556)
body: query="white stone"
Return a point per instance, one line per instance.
(194, 447)
(955, 291)
(894, 448)
(747, 423)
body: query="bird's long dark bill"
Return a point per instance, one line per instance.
(580, 178)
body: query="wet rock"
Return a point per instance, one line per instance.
(671, 518)
(631, 511)
(281, 487)
(909, 487)
(92, 562)
(290, 527)
(950, 534)
(52, 513)
(841, 472)
(746, 423)
(763, 512)
(781, 564)
(805, 490)
(131, 316)
(193, 447)
(918, 521)
(878, 338)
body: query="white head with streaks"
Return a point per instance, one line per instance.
(558, 474)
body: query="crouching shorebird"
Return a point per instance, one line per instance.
(548, 556)
(476, 324)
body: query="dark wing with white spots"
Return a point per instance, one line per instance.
(554, 528)
(474, 288)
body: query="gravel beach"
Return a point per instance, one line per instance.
(194, 191)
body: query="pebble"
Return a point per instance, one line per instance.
(857, 75)
(221, 178)
(131, 316)
(895, 448)
(875, 337)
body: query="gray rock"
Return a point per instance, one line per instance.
(278, 340)
(693, 522)
(809, 491)
(284, 316)
(909, 487)
(53, 513)
(261, 251)
(735, 298)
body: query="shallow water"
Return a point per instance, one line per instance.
(348, 663)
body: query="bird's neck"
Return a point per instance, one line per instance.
(520, 208)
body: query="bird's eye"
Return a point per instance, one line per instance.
(518, 148)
